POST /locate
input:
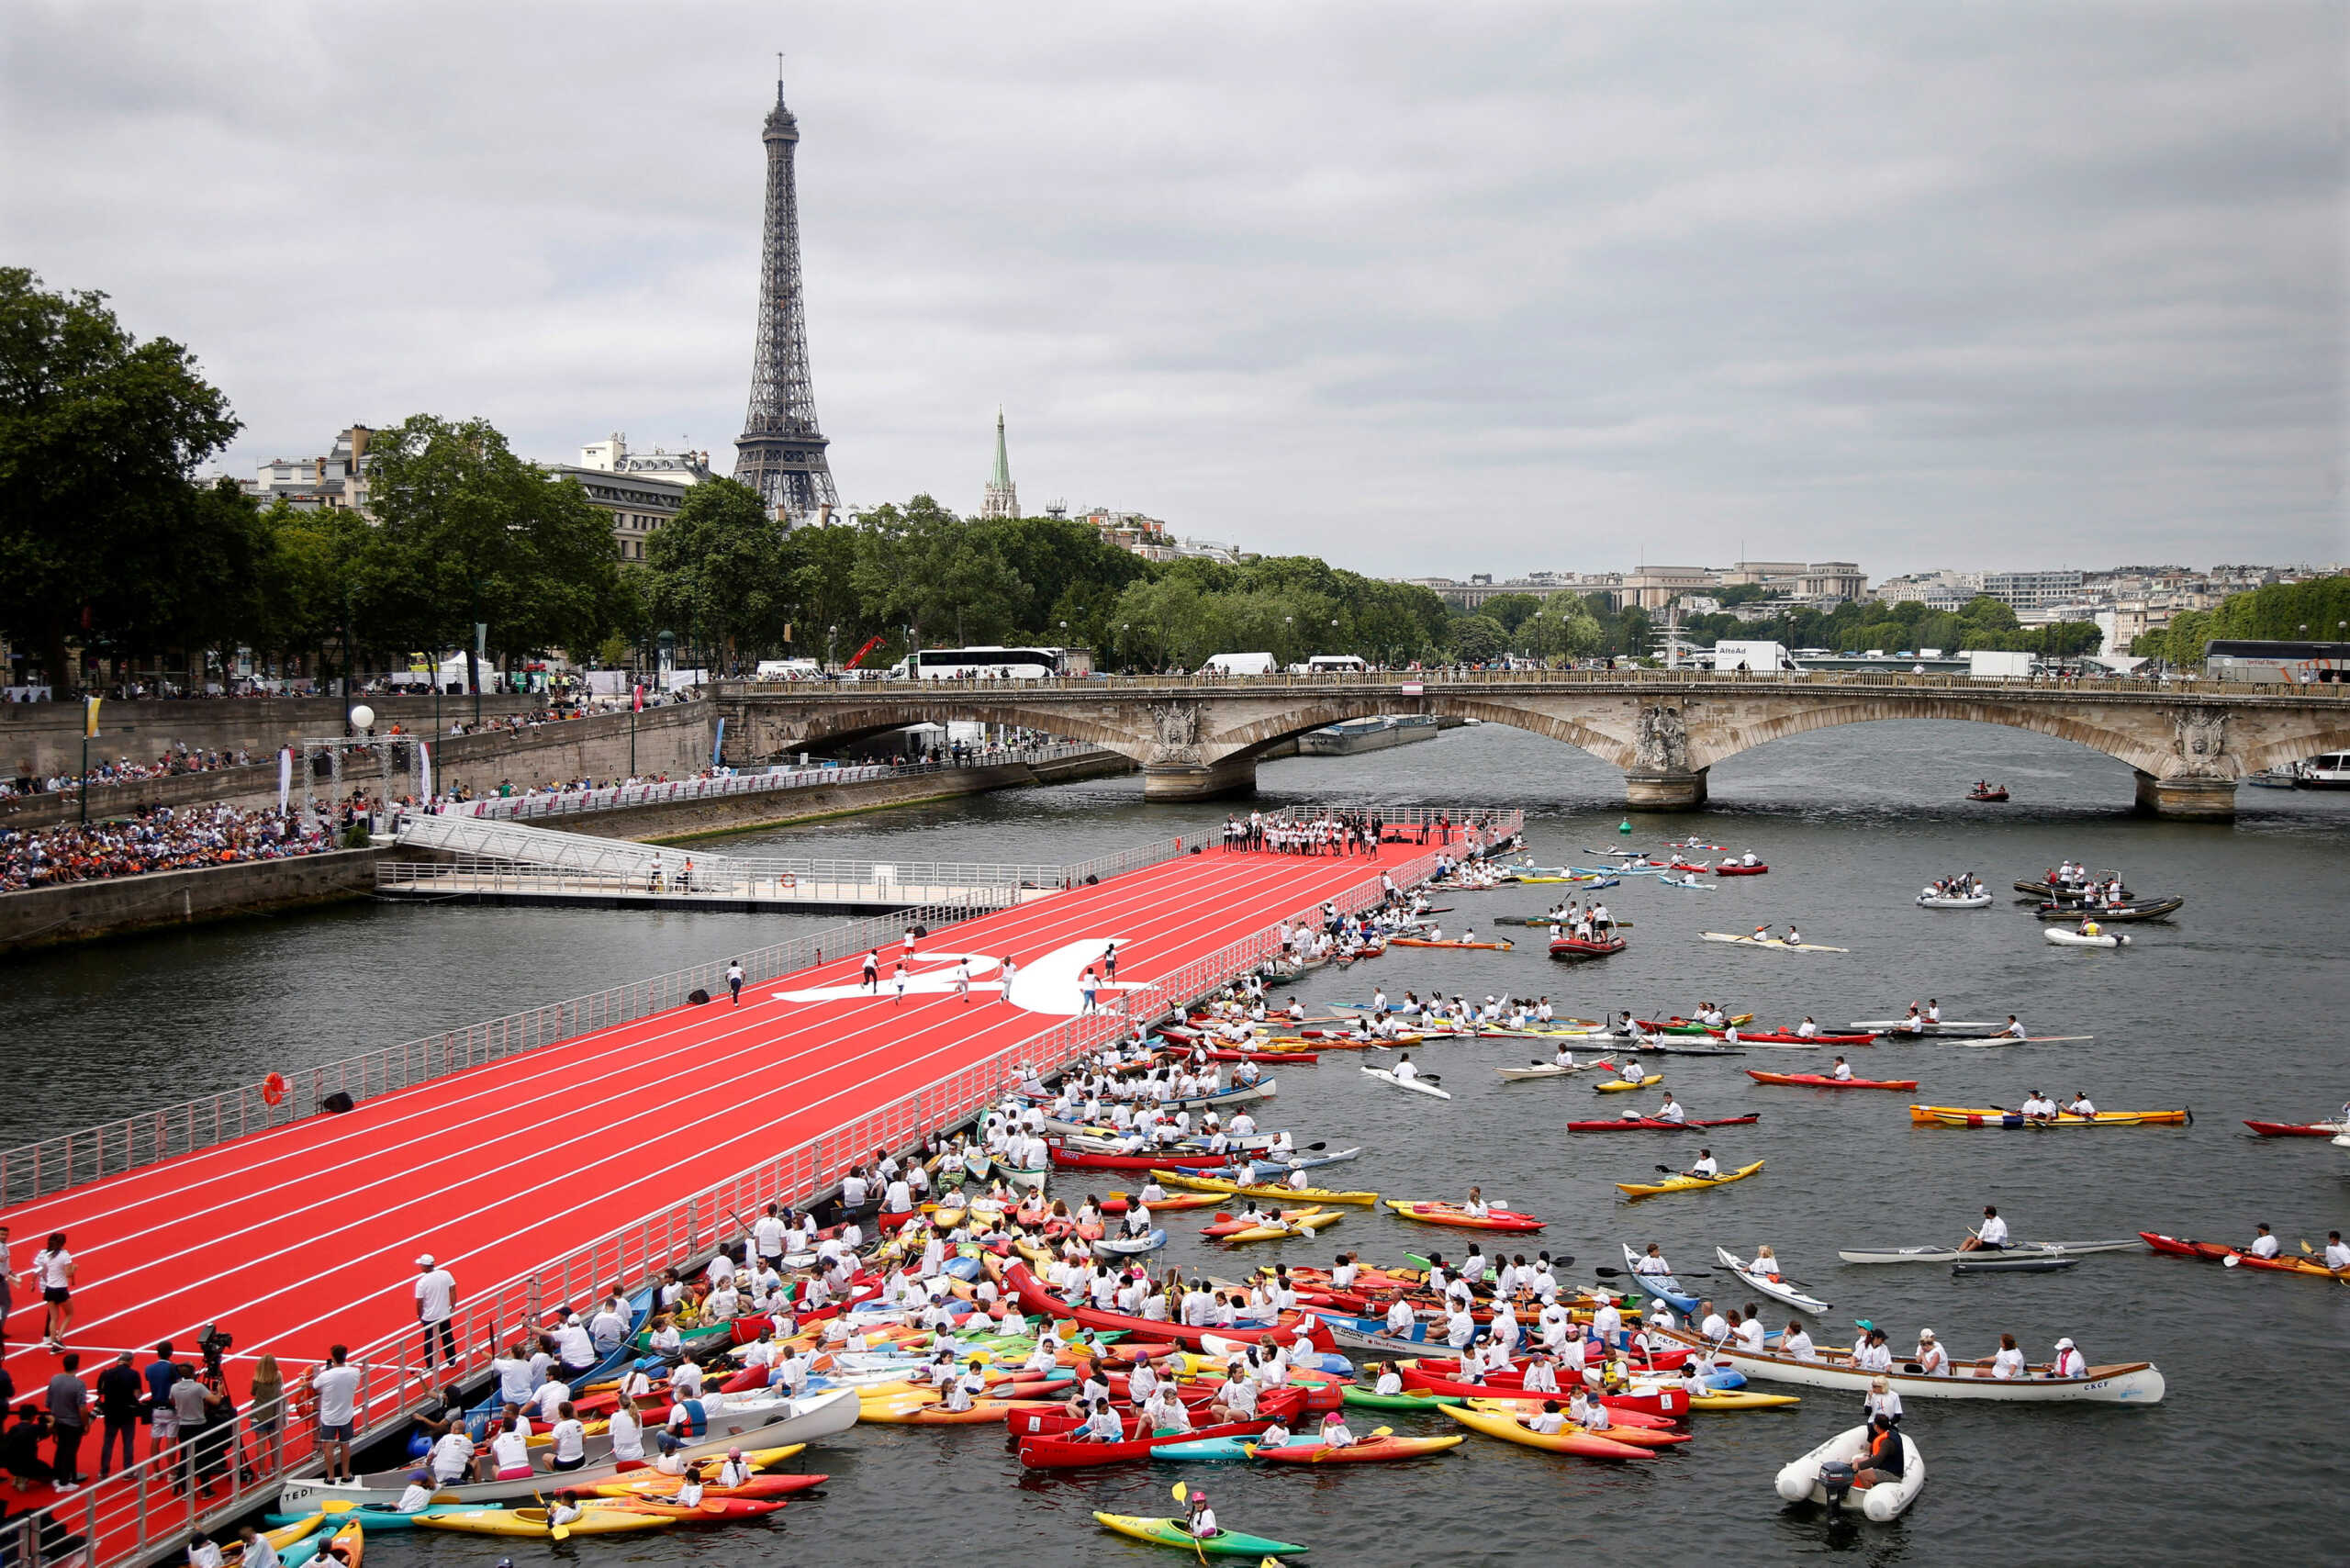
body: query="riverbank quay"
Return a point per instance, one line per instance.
(291, 1226)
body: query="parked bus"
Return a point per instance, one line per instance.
(2277, 664)
(992, 663)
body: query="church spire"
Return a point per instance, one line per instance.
(1001, 499)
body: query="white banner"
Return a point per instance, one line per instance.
(284, 775)
(424, 771)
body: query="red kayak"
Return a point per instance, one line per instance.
(1574, 947)
(1265, 1056)
(1739, 870)
(2297, 1129)
(1085, 1160)
(1652, 1125)
(2215, 1252)
(1821, 1081)
(1033, 1297)
(1663, 1402)
(1068, 1453)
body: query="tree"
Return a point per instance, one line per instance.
(1563, 627)
(923, 566)
(1476, 638)
(99, 434)
(1510, 609)
(720, 566)
(466, 532)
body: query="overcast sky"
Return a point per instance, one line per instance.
(1430, 288)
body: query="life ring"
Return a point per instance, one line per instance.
(787, 880)
(274, 1089)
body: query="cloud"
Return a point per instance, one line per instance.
(1499, 287)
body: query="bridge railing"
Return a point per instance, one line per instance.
(1399, 682)
(146, 1511)
(473, 875)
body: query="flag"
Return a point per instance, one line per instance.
(90, 718)
(284, 775)
(718, 742)
(424, 771)
(637, 706)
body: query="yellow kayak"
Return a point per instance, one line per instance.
(532, 1522)
(1261, 1190)
(283, 1536)
(1740, 1399)
(1993, 1116)
(1686, 1183)
(1620, 1085)
(1289, 1224)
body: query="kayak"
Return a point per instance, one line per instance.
(532, 1522)
(1992, 1116)
(1624, 1085)
(1781, 1037)
(2298, 1129)
(1118, 1202)
(1264, 1190)
(1975, 1263)
(1205, 1448)
(1373, 1401)
(1441, 1213)
(2082, 939)
(1781, 944)
(1289, 1226)
(709, 1511)
(1087, 1159)
(1501, 946)
(1781, 1289)
(2235, 1257)
(1651, 1123)
(1170, 1532)
(1821, 1081)
(372, 1516)
(1544, 1070)
(1570, 1440)
(1414, 1085)
(1951, 1254)
(1370, 1450)
(1660, 1287)
(1129, 1245)
(1233, 1224)
(1727, 1399)
(1033, 1297)
(756, 1486)
(1686, 1183)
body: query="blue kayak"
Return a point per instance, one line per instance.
(1205, 1447)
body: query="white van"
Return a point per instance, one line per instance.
(1332, 664)
(1238, 664)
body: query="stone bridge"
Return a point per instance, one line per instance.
(1198, 737)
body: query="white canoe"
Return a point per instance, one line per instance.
(1541, 1069)
(1885, 1025)
(1942, 900)
(1951, 1254)
(1129, 1247)
(1799, 1481)
(2063, 939)
(756, 1424)
(1413, 1084)
(1781, 1289)
(2123, 1382)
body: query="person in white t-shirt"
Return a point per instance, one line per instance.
(2263, 1245)
(1991, 1236)
(509, 1453)
(336, 1387)
(570, 1435)
(1931, 1359)
(436, 1303)
(2069, 1362)
(2008, 1362)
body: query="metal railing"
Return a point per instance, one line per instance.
(882, 885)
(620, 797)
(1392, 681)
(144, 1512)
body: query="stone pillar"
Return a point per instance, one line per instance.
(1198, 781)
(2202, 800)
(1658, 791)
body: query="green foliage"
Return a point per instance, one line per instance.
(1562, 628)
(1510, 609)
(1476, 638)
(720, 570)
(465, 531)
(101, 533)
(2275, 614)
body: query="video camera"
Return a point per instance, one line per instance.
(214, 1342)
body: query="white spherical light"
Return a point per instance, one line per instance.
(363, 717)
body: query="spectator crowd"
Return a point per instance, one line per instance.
(160, 840)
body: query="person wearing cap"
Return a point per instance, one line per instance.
(574, 1348)
(736, 1471)
(2263, 1245)
(1202, 1523)
(418, 1494)
(1931, 1359)
(436, 1303)
(2069, 1362)
(670, 1461)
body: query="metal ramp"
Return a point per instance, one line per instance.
(620, 858)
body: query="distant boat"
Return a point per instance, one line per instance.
(1355, 735)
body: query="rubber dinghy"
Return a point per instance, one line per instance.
(2082, 939)
(1802, 1480)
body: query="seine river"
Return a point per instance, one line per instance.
(2233, 1008)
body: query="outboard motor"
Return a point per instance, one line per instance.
(1835, 1480)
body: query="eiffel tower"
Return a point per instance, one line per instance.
(780, 452)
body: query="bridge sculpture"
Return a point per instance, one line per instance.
(1199, 737)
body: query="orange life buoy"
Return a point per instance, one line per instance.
(274, 1087)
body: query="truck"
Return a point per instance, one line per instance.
(1238, 664)
(1755, 659)
(1986, 664)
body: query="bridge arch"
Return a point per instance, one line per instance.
(1714, 739)
(1250, 741)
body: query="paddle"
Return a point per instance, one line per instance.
(559, 1532)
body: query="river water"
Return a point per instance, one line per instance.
(2233, 1008)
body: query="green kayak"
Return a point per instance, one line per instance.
(1170, 1532)
(1371, 1400)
